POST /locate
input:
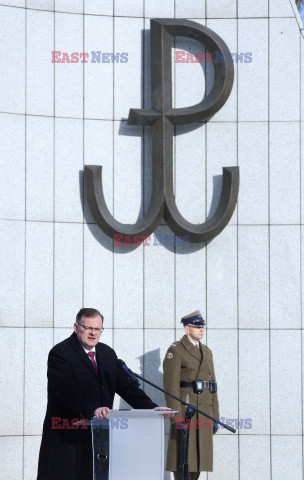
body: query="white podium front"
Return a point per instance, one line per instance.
(135, 442)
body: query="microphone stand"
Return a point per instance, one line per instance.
(190, 411)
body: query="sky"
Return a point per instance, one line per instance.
(301, 10)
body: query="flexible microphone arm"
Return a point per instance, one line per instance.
(131, 374)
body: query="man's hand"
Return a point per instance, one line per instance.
(102, 412)
(168, 415)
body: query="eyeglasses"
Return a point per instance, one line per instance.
(97, 330)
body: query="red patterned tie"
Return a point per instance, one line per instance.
(92, 355)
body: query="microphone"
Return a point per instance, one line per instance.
(129, 372)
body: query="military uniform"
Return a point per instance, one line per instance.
(185, 362)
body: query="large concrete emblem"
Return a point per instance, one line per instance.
(162, 118)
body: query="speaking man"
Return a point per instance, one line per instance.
(189, 374)
(83, 377)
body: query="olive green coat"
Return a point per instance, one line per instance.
(185, 362)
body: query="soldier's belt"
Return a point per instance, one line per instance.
(199, 385)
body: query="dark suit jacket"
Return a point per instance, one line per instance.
(75, 390)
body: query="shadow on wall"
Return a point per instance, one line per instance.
(187, 45)
(150, 364)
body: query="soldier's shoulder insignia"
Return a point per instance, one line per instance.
(173, 345)
(169, 355)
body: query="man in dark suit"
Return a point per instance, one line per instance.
(83, 378)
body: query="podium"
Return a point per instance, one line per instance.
(129, 445)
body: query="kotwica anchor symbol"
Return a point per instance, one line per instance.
(162, 118)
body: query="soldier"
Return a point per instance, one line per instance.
(189, 374)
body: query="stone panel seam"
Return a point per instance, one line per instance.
(301, 258)
(269, 289)
(54, 159)
(129, 16)
(24, 292)
(113, 150)
(143, 161)
(83, 151)
(237, 244)
(212, 121)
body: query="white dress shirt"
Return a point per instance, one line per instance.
(87, 351)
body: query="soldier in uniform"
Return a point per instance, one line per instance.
(189, 374)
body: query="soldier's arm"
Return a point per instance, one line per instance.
(172, 371)
(215, 403)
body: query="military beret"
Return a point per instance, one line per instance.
(194, 319)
